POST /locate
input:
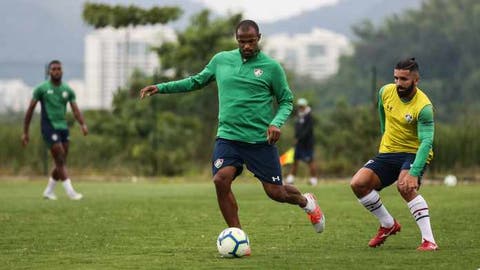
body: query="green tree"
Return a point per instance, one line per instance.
(443, 36)
(165, 135)
(347, 136)
(103, 15)
(194, 48)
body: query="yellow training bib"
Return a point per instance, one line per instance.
(401, 118)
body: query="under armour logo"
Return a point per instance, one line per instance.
(276, 178)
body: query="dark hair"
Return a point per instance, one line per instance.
(246, 24)
(407, 64)
(54, 62)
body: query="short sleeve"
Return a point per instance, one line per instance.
(38, 93)
(71, 95)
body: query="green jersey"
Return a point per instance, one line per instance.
(246, 91)
(54, 100)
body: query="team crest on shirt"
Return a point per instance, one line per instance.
(408, 118)
(258, 72)
(65, 94)
(218, 163)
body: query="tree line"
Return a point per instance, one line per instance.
(174, 134)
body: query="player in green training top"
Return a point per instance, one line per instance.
(248, 127)
(406, 121)
(54, 95)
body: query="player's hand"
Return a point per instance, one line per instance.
(408, 183)
(148, 91)
(84, 129)
(273, 134)
(411, 181)
(25, 139)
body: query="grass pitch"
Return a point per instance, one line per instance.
(171, 225)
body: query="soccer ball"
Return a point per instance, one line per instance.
(233, 242)
(450, 180)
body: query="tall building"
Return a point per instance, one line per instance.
(15, 95)
(111, 55)
(315, 54)
(78, 86)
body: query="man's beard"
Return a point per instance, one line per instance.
(56, 78)
(249, 54)
(405, 92)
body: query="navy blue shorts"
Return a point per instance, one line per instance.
(303, 153)
(387, 166)
(51, 135)
(261, 159)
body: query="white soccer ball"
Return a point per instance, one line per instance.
(450, 180)
(233, 242)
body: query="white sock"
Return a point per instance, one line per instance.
(290, 179)
(67, 185)
(373, 204)
(313, 181)
(419, 209)
(50, 186)
(310, 206)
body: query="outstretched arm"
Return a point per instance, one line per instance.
(195, 82)
(27, 120)
(78, 116)
(148, 91)
(191, 83)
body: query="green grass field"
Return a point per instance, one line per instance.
(169, 225)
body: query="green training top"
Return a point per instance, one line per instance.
(246, 89)
(54, 100)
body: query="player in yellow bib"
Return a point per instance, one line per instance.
(407, 126)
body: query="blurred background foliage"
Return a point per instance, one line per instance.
(174, 134)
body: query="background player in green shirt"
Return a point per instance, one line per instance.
(406, 122)
(54, 95)
(248, 127)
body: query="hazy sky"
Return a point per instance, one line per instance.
(265, 10)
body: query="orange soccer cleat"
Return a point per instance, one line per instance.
(317, 218)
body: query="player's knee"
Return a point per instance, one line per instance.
(59, 160)
(361, 186)
(357, 184)
(407, 193)
(222, 180)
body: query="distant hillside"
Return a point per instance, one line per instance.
(34, 32)
(340, 17)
